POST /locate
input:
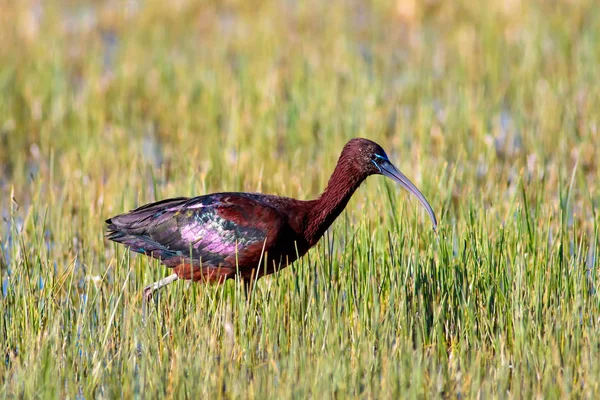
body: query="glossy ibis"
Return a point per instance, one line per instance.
(215, 237)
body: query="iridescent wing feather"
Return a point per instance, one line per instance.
(224, 229)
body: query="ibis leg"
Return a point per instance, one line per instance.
(150, 289)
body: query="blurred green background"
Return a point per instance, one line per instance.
(489, 107)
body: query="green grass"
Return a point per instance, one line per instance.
(491, 110)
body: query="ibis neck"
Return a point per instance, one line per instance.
(341, 186)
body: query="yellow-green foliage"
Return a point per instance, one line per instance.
(491, 108)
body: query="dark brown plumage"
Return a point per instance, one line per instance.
(213, 237)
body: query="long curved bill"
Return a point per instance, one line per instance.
(388, 169)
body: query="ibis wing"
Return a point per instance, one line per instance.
(214, 230)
